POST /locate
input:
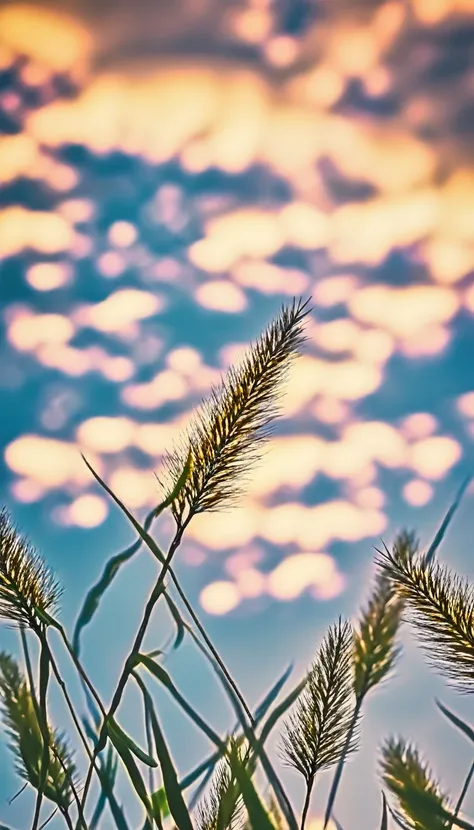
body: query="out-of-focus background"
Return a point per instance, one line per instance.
(170, 173)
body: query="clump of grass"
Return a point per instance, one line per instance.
(321, 714)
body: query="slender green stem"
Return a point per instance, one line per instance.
(43, 725)
(67, 819)
(211, 647)
(80, 669)
(463, 791)
(70, 706)
(309, 788)
(129, 663)
(77, 724)
(29, 671)
(50, 817)
(340, 765)
(225, 676)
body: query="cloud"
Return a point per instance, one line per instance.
(47, 233)
(120, 311)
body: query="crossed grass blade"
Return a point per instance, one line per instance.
(133, 771)
(258, 818)
(112, 567)
(174, 796)
(209, 764)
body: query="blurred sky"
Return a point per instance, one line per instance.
(170, 173)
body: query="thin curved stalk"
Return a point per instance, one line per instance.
(463, 792)
(128, 665)
(69, 704)
(43, 725)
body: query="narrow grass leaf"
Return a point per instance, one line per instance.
(272, 695)
(163, 677)
(398, 820)
(464, 727)
(161, 802)
(279, 791)
(109, 772)
(280, 710)
(180, 625)
(132, 769)
(112, 726)
(447, 520)
(115, 808)
(258, 816)
(93, 598)
(149, 541)
(174, 796)
(209, 764)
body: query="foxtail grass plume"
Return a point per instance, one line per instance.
(222, 806)
(375, 649)
(373, 656)
(314, 735)
(275, 813)
(420, 800)
(228, 430)
(27, 585)
(21, 722)
(441, 608)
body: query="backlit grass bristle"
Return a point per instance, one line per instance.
(228, 431)
(440, 605)
(21, 723)
(419, 798)
(26, 582)
(375, 647)
(222, 806)
(314, 735)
